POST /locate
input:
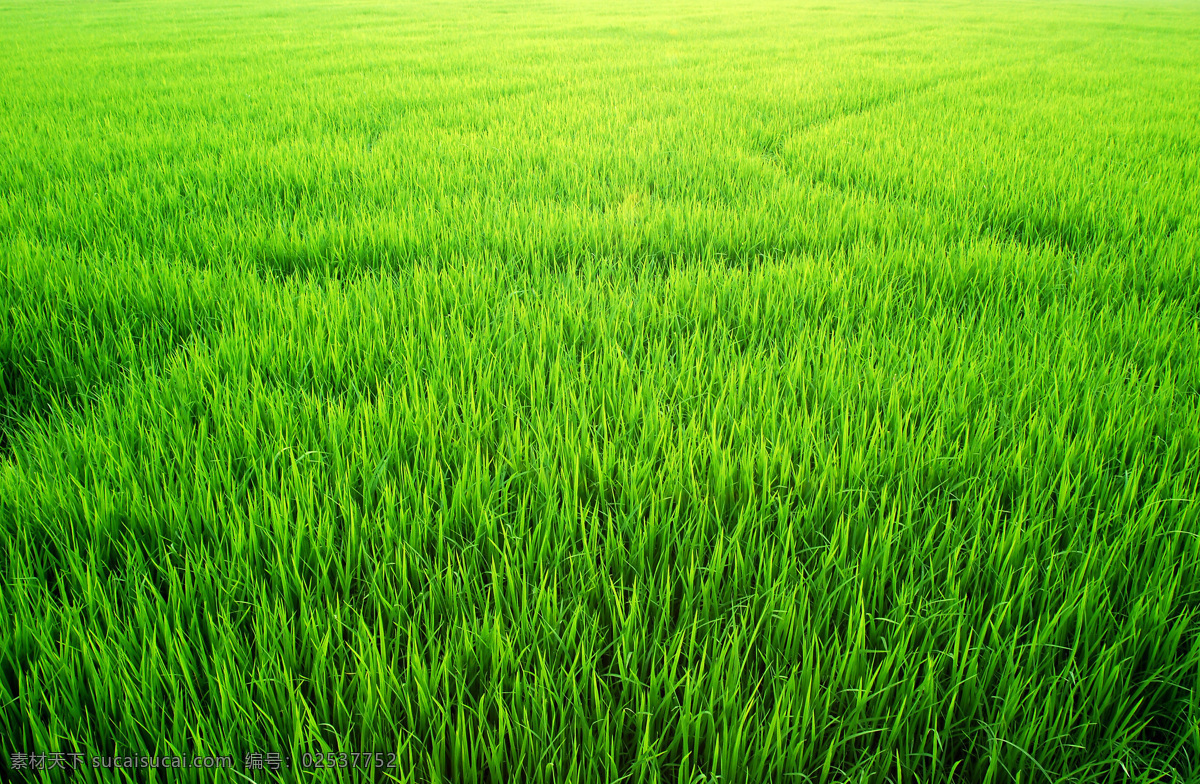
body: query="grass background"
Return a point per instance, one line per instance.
(645, 392)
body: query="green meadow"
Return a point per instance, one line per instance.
(738, 391)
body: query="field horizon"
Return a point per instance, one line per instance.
(601, 392)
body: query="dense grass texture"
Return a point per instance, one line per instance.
(594, 392)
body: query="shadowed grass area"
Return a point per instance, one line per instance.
(579, 392)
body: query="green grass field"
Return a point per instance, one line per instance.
(593, 392)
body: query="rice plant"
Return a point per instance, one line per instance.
(601, 392)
